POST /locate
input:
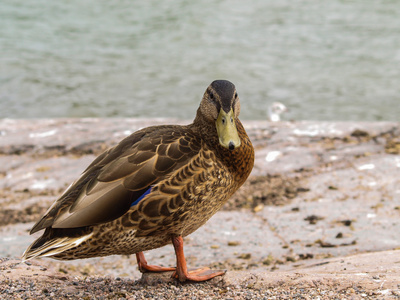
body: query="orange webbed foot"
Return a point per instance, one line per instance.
(144, 267)
(201, 274)
(182, 272)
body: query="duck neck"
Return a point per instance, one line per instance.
(240, 161)
(206, 129)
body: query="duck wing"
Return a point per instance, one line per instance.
(122, 176)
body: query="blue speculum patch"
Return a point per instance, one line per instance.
(141, 196)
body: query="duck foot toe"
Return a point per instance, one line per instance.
(201, 274)
(144, 267)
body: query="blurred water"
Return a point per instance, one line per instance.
(326, 60)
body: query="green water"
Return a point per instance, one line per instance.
(325, 60)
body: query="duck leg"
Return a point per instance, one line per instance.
(182, 272)
(144, 267)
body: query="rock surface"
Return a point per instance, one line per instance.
(319, 216)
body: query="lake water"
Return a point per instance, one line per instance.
(325, 60)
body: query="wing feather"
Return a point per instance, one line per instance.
(120, 176)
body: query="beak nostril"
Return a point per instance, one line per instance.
(231, 145)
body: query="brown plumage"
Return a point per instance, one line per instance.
(156, 186)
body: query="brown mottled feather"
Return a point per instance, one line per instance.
(128, 170)
(191, 176)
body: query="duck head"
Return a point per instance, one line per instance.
(221, 106)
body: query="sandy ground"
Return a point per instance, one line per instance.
(317, 219)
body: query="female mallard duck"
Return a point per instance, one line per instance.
(156, 186)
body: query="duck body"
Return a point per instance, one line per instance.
(156, 186)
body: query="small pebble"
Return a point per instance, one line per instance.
(233, 243)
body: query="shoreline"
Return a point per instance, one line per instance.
(321, 195)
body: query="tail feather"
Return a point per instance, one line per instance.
(54, 247)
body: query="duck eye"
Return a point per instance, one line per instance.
(211, 96)
(235, 95)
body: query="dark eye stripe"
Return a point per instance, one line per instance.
(212, 97)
